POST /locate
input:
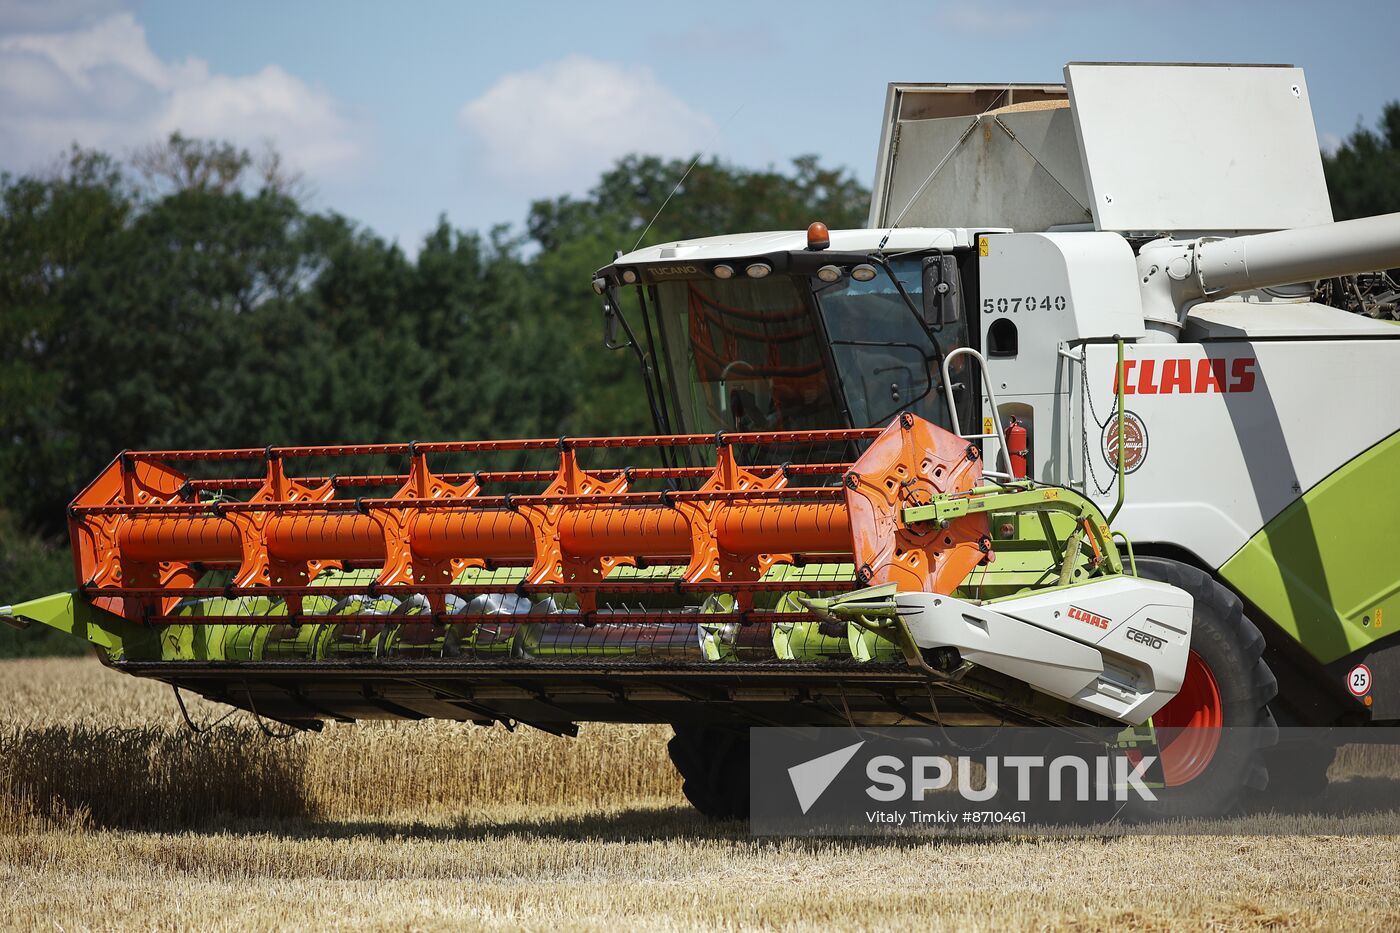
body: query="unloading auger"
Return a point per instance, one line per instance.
(778, 581)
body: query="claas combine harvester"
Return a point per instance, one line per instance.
(887, 465)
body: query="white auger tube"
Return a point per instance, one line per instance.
(1176, 274)
(1265, 260)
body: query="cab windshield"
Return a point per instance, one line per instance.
(746, 355)
(789, 352)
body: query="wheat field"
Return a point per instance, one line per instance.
(113, 816)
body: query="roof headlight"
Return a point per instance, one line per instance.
(723, 271)
(829, 273)
(863, 272)
(629, 276)
(758, 270)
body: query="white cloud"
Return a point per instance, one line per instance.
(302, 121)
(562, 123)
(117, 41)
(101, 85)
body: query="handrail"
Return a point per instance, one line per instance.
(1000, 435)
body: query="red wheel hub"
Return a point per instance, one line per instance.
(1188, 728)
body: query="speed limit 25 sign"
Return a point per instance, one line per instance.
(1359, 680)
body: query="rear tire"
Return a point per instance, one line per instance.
(714, 766)
(1211, 771)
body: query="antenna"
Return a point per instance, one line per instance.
(693, 163)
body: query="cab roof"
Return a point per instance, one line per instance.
(747, 245)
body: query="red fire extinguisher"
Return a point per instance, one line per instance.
(1018, 448)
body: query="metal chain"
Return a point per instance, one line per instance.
(1100, 426)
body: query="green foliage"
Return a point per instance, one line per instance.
(191, 301)
(33, 566)
(179, 163)
(1363, 175)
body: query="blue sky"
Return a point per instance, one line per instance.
(396, 113)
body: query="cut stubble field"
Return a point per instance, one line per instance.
(112, 815)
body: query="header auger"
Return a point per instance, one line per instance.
(145, 535)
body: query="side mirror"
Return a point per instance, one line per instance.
(942, 291)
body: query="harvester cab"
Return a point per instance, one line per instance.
(888, 480)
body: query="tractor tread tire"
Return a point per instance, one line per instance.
(713, 763)
(1232, 647)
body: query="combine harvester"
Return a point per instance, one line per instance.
(907, 445)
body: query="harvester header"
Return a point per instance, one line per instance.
(552, 569)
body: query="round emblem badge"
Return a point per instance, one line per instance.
(1134, 442)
